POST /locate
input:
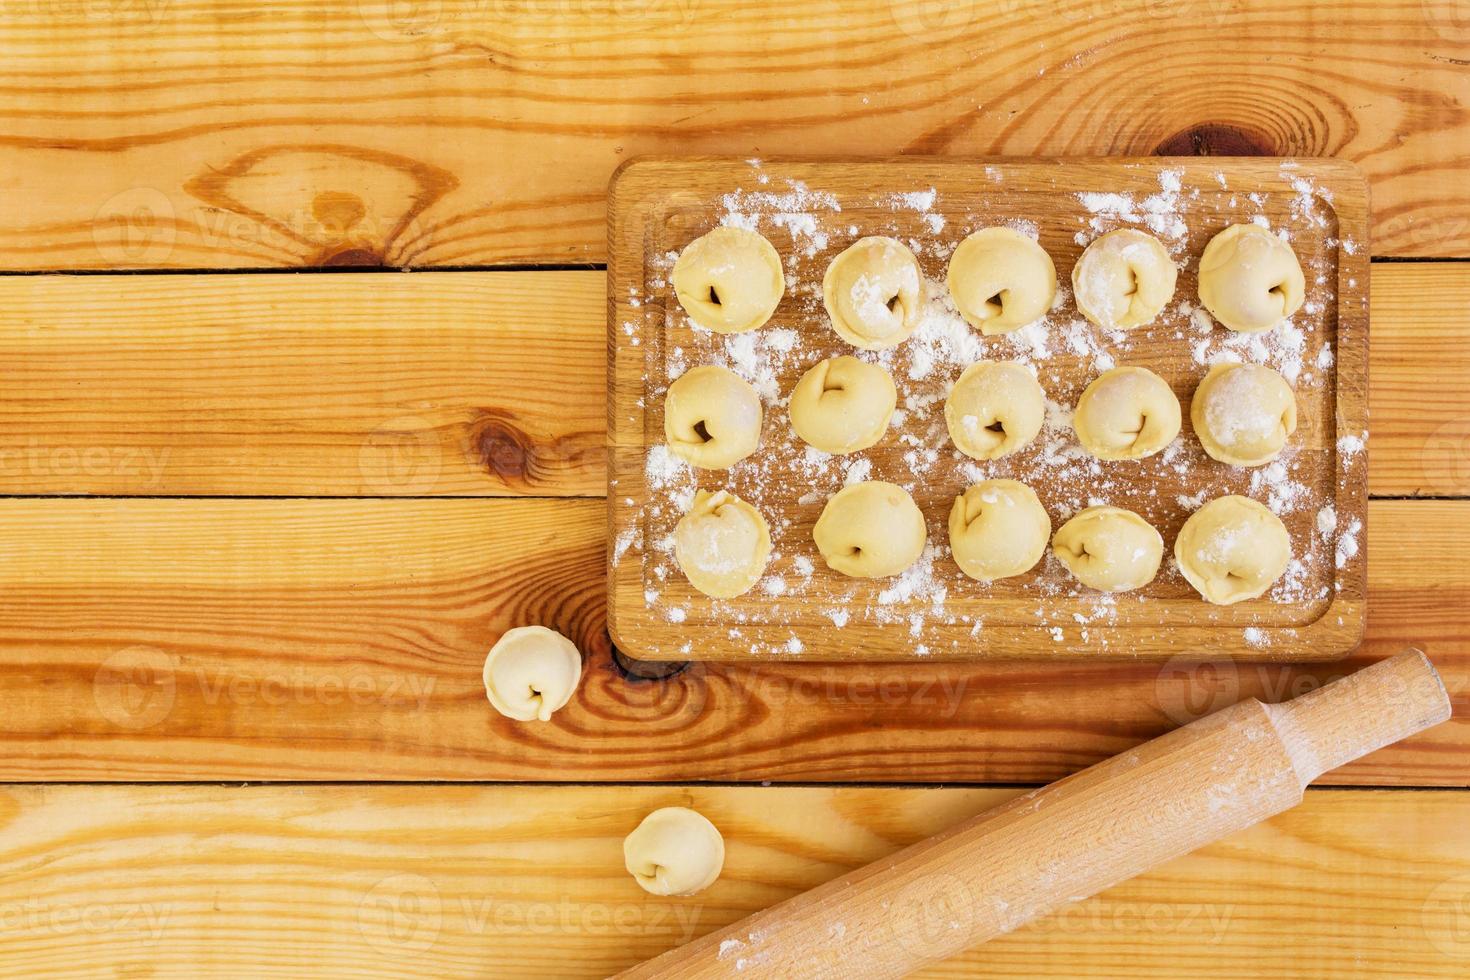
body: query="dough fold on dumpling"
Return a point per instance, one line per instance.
(1109, 549)
(874, 293)
(729, 280)
(842, 404)
(1232, 549)
(1126, 413)
(1001, 280)
(1243, 413)
(1123, 279)
(994, 409)
(997, 528)
(870, 530)
(712, 417)
(530, 672)
(1250, 279)
(674, 851)
(722, 544)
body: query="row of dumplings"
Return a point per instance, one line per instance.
(1242, 413)
(730, 280)
(1231, 549)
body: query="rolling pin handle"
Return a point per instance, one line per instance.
(1334, 724)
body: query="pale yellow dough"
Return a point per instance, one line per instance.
(530, 672)
(1250, 279)
(1243, 413)
(1123, 279)
(874, 293)
(1126, 413)
(997, 528)
(870, 530)
(712, 417)
(674, 851)
(843, 404)
(722, 544)
(729, 280)
(994, 409)
(1001, 280)
(1109, 549)
(1232, 549)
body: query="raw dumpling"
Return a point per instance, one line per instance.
(1123, 279)
(994, 409)
(722, 544)
(843, 404)
(674, 851)
(1243, 413)
(874, 293)
(1109, 549)
(1232, 548)
(1250, 279)
(1001, 280)
(729, 280)
(1126, 413)
(870, 530)
(997, 528)
(712, 417)
(530, 672)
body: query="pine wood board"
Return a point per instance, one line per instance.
(419, 385)
(659, 205)
(441, 881)
(332, 385)
(343, 640)
(207, 134)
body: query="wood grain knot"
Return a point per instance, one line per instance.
(340, 206)
(350, 257)
(503, 448)
(1215, 140)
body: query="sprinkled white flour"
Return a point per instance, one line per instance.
(939, 609)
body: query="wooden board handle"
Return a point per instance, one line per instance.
(1072, 839)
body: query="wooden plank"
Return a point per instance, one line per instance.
(1418, 402)
(387, 385)
(465, 383)
(343, 640)
(205, 881)
(657, 207)
(206, 134)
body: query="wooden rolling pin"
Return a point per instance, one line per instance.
(1072, 839)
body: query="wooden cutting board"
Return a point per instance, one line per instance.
(811, 211)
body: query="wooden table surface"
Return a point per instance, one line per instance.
(262, 526)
